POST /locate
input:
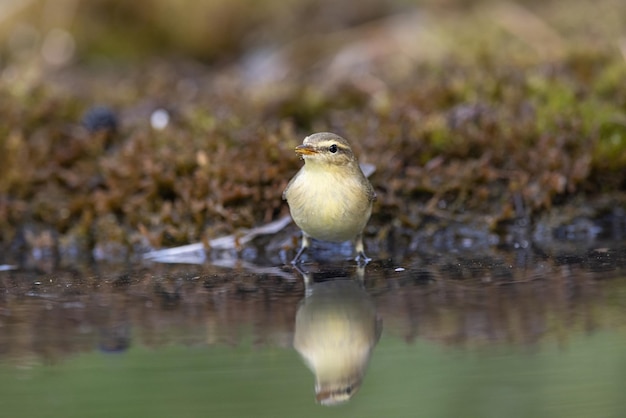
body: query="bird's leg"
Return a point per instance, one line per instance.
(308, 280)
(360, 258)
(360, 273)
(306, 241)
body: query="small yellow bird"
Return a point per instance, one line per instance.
(330, 199)
(337, 327)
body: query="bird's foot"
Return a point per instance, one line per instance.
(306, 242)
(296, 259)
(361, 259)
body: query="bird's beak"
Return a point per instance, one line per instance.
(305, 150)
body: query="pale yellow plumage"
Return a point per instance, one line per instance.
(336, 330)
(329, 198)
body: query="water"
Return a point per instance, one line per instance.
(515, 334)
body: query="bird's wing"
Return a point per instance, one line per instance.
(289, 184)
(371, 194)
(368, 170)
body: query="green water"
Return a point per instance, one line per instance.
(467, 339)
(583, 377)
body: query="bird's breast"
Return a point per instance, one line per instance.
(329, 205)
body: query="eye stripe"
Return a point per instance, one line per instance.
(327, 144)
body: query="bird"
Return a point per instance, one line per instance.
(336, 330)
(330, 199)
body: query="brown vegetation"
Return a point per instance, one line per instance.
(480, 113)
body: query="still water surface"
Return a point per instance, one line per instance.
(502, 334)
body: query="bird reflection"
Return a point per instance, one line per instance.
(337, 327)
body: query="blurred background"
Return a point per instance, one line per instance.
(141, 125)
(215, 32)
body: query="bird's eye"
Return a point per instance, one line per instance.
(333, 148)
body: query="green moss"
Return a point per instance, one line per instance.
(610, 150)
(459, 109)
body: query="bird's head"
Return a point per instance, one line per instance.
(335, 393)
(326, 148)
